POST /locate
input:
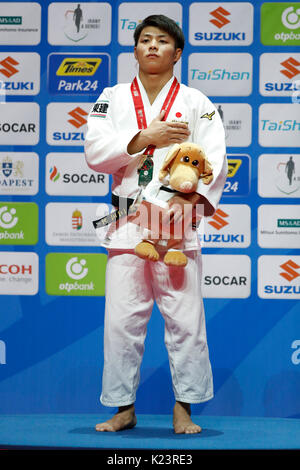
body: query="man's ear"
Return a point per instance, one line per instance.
(134, 52)
(178, 53)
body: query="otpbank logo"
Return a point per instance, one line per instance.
(221, 24)
(279, 277)
(78, 74)
(279, 125)
(229, 227)
(221, 74)
(279, 74)
(18, 223)
(75, 274)
(280, 24)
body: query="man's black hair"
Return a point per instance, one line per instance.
(165, 24)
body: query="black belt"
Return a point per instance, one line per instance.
(122, 204)
(119, 201)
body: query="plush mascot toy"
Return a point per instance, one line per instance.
(183, 166)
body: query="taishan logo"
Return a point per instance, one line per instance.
(290, 70)
(218, 220)
(220, 19)
(290, 272)
(8, 65)
(78, 67)
(78, 120)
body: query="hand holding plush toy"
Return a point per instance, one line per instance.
(183, 166)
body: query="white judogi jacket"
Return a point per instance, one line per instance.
(111, 126)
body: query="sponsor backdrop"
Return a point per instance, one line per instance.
(55, 59)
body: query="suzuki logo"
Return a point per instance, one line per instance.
(9, 69)
(290, 64)
(78, 120)
(219, 14)
(289, 267)
(217, 220)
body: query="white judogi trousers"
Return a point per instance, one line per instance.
(132, 286)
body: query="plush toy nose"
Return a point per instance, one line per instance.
(186, 186)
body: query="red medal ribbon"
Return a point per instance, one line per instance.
(139, 106)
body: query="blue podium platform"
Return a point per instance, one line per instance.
(69, 431)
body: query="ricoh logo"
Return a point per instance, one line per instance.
(2, 352)
(15, 269)
(221, 26)
(18, 273)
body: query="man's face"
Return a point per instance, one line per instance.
(155, 51)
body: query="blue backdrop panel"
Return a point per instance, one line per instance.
(55, 59)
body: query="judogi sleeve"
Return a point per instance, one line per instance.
(106, 147)
(209, 134)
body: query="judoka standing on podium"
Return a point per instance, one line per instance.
(149, 116)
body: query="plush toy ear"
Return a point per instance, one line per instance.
(168, 159)
(207, 175)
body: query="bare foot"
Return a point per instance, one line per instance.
(124, 419)
(182, 422)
